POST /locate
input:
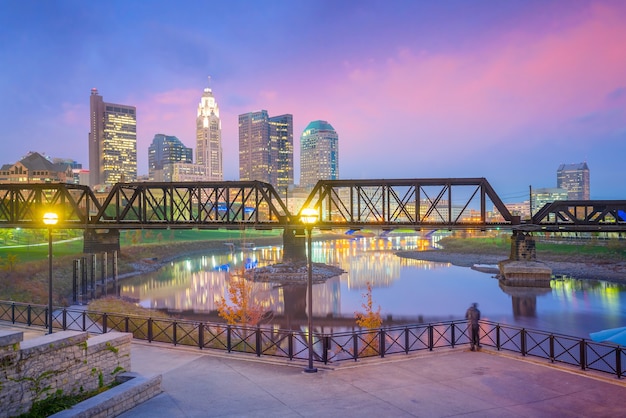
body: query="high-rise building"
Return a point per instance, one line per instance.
(166, 150)
(209, 137)
(575, 179)
(319, 154)
(281, 140)
(266, 149)
(112, 142)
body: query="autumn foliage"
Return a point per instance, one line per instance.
(241, 307)
(371, 319)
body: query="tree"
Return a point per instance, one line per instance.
(241, 307)
(370, 320)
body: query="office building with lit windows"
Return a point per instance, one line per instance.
(164, 151)
(575, 179)
(209, 137)
(266, 149)
(319, 154)
(112, 142)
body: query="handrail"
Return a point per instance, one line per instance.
(329, 348)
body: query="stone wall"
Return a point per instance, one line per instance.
(67, 361)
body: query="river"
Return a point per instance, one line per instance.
(407, 291)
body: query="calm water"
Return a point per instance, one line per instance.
(406, 290)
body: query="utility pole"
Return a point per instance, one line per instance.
(530, 201)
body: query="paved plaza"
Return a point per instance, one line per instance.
(443, 383)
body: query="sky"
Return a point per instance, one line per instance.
(506, 90)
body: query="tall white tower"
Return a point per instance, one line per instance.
(209, 136)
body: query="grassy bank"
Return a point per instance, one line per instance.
(24, 269)
(592, 250)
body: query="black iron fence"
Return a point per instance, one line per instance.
(329, 348)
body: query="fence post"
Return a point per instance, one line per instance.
(381, 343)
(406, 340)
(430, 337)
(28, 321)
(174, 332)
(583, 360)
(83, 315)
(355, 346)
(618, 361)
(452, 336)
(290, 345)
(149, 330)
(228, 338)
(64, 319)
(258, 341)
(523, 342)
(552, 348)
(201, 335)
(104, 323)
(13, 313)
(126, 323)
(326, 348)
(498, 337)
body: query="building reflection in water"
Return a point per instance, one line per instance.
(197, 284)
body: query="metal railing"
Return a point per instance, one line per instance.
(329, 348)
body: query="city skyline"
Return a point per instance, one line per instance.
(508, 91)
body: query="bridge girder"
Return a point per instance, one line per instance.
(23, 205)
(445, 203)
(440, 203)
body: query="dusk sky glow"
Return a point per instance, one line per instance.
(505, 90)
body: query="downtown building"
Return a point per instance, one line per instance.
(112, 142)
(319, 154)
(36, 168)
(266, 149)
(575, 179)
(208, 141)
(164, 152)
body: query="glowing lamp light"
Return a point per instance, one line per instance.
(50, 218)
(308, 216)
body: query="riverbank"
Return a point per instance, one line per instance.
(580, 268)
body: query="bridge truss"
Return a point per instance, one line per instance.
(23, 205)
(460, 203)
(580, 216)
(229, 204)
(450, 203)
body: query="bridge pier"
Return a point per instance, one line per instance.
(522, 268)
(101, 241)
(294, 245)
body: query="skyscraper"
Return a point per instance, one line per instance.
(166, 150)
(319, 154)
(575, 179)
(112, 142)
(266, 148)
(209, 137)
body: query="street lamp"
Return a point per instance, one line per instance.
(309, 217)
(50, 219)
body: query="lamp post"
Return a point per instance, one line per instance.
(50, 219)
(309, 217)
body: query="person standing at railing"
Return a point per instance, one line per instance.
(473, 316)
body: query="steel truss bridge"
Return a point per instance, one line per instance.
(419, 204)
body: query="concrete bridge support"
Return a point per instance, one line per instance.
(522, 268)
(294, 245)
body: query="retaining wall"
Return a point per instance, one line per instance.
(66, 361)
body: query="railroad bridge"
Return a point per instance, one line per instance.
(384, 204)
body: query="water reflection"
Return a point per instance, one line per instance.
(408, 291)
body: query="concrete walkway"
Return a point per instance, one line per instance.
(443, 383)
(438, 384)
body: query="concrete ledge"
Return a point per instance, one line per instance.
(10, 338)
(134, 390)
